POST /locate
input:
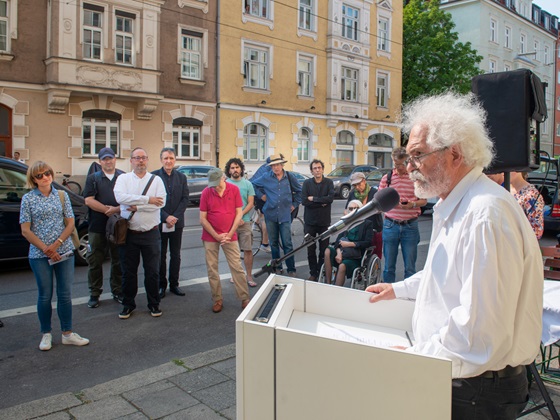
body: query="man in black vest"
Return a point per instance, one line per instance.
(318, 195)
(100, 199)
(172, 221)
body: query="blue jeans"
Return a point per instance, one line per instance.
(64, 272)
(408, 237)
(282, 231)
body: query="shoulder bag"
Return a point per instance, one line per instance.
(74, 235)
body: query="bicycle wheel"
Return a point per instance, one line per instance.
(297, 227)
(74, 187)
(257, 237)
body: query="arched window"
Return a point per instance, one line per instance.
(256, 143)
(304, 144)
(345, 137)
(345, 148)
(379, 155)
(186, 137)
(100, 128)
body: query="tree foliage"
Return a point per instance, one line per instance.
(433, 58)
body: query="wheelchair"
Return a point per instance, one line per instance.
(368, 273)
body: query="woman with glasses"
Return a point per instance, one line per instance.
(47, 221)
(348, 249)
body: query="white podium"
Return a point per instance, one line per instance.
(311, 351)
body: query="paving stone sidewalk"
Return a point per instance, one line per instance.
(200, 387)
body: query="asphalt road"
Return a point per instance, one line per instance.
(120, 347)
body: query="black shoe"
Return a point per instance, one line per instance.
(176, 291)
(161, 292)
(93, 302)
(118, 298)
(155, 311)
(125, 313)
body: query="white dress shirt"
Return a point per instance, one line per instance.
(128, 192)
(479, 298)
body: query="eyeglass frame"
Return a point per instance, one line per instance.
(352, 208)
(416, 161)
(139, 158)
(40, 175)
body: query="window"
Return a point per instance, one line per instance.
(349, 84)
(4, 27)
(258, 8)
(383, 34)
(350, 22)
(537, 50)
(379, 159)
(124, 39)
(100, 129)
(305, 76)
(93, 34)
(546, 55)
(304, 142)
(557, 129)
(493, 30)
(256, 147)
(256, 67)
(345, 138)
(492, 66)
(507, 37)
(5, 131)
(507, 67)
(344, 157)
(306, 18)
(380, 140)
(522, 43)
(191, 54)
(186, 137)
(381, 90)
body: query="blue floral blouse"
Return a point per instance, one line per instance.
(47, 219)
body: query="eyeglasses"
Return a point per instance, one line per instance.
(353, 208)
(416, 161)
(139, 158)
(41, 175)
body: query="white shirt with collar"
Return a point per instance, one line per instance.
(479, 297)
(128, 192)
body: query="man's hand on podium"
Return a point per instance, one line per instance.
(381, 291)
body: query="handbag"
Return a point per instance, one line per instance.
(74, 235)
(350, 253)
(117, 226)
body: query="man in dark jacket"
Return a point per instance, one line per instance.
(317, 196)
(172, 221)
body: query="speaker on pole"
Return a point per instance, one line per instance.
(512, 100)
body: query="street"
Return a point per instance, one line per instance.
(120, 347)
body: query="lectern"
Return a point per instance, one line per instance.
(307, 350)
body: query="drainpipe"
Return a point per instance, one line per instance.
(218, 84)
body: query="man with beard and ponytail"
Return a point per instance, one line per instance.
(401, 223)
(479, 296)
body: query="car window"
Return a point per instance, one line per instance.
(341, 172)
(12, 186)
(201, 172)
(375, 176)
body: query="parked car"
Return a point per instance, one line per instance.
(374, 177)
(341, 178)
(300, 177)
(13, 245)
(197, 179)
(546, 180)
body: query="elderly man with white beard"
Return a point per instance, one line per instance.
(479, 296)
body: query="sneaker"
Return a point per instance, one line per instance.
(93, 302)
(74, 340)
(125, 313)
(46, 342)
(155, 311)
(265, 248)
(118, 298)
(291, 273)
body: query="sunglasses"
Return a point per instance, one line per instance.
(41, 175)
(353, 208)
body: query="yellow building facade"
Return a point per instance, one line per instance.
(309, 79)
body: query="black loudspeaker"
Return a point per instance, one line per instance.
(512, 99)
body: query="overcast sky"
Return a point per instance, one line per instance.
(551, 6)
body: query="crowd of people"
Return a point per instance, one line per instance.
(478, 297)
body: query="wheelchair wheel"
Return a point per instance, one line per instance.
(359, 279)
(373, 273)
(323, 278)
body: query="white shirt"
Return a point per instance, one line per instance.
(128, 192)
(479, 297)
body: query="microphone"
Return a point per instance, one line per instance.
(383, 201)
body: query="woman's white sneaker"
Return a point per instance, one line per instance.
(74, 340)
(46, 342)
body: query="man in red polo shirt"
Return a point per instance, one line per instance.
(401, 223)
(220, 214)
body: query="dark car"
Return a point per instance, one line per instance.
(546, 180)
(13, 245)
(197, 178)
(300, 177)
(341, 178)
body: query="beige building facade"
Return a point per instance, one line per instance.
(309, 79)
(79, 76)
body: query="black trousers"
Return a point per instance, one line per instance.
(489, 398)
(174, 240)
(147, 245)
(315, 262)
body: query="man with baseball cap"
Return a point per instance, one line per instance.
(221, 209)
(101, 201)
